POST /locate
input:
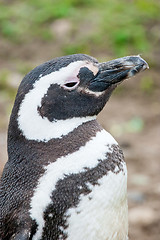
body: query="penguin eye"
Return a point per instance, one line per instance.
(71, 84)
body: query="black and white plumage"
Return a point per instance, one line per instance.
(65, 177)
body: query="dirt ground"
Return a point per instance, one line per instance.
(141, 149)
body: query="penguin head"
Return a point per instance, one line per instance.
(74, 87)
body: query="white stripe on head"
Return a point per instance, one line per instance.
(32, 125)
(67, 165)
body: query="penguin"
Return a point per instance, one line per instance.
(66, 177)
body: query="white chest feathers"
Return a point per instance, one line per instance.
(102, 214)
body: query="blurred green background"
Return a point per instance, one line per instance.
(34, 31)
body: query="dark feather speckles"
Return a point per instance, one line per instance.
(30, 158)
(68, 190)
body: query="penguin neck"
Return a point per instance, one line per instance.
(20, 148)
(41, 129)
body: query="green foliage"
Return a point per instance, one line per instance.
(148, 9)
(22, 19)
(121, 24)
(124, 24)
(134, 125)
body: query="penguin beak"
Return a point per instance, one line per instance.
(114, 72)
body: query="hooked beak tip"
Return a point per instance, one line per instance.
(115, 71)
(145, 66)
(134, 64)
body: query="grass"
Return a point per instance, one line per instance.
(116, 27)
(120, 25)
(124, 24)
